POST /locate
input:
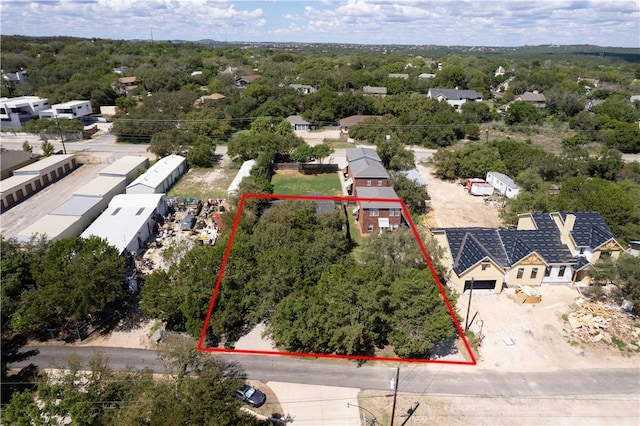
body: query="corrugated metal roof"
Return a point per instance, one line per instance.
(124, 165)
(101, 185)
(76, 206)
(50, 225)
(245, 170)
(44, 163)
(160, 171)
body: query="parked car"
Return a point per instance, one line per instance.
(251, 395)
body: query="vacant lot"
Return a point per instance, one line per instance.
(290, 182)
(204, 183)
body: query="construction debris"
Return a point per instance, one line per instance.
(527, 294)
(593, 322)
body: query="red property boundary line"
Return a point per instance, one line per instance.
(406, 214)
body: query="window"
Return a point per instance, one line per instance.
(368, 182)
(370, 227)
(561, 271)
(534, 273)
(547, 271)
(374, 212)
(379, 182)
(395, 212)
(485, 265)
(520, 273)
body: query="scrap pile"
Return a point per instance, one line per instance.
(595, 322)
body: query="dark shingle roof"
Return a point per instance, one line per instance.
(589, 230)
(455, 94)
(367, 168)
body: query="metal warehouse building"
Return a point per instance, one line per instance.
(245, 170)
(129, 220)
(32, 178)
(160, 176)
(126, 167)
(77, 213)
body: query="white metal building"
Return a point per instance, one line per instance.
(503, 184)
(245, 170)
(15, 111)
(33, 177)
(71, 109)
(129, 220)
(76, 214)
(126, 167)
(160, 176)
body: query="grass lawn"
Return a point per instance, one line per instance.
(289, 182)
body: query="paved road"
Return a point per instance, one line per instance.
(431, 378)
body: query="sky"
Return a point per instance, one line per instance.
(413, 22)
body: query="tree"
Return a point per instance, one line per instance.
(412, 193)
(395, 156)
(26, 147)
(201, 153)
(47, 148)
(628, 271)
(76, 281)
(522, 113)
(172, 141)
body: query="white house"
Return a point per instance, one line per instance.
(454, 97)
(503, 184)
(71, 109)
(160, 176)
(15, 111)
(299, 123)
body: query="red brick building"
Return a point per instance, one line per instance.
(378, 209)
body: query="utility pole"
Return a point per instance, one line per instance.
(395, 395)
(64, 148)
(466, 320)
(410, 413)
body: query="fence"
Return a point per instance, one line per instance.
(307, 169)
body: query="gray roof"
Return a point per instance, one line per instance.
(354, 154)
(375, 192)
(532, 97)
(455, 94)
(368, 168)
(415, 176)
(296, 119)
(375, 90)
(504, 179)
(9, 158)
(310, 89)
(76, 206)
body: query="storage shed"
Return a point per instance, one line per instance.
(129, 220)
(245, 170)
(126, 167)
(16, 188)
(53, 227)
(160, 176)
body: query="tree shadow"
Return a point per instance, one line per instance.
(24, 378)
(444, 348)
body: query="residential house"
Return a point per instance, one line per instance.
(70, 110)
(454, 97)
(229, 70)
(303, 88)
(355, 154)
(245, 80)
(365, 173)
(375, 91)
(378, 209)
(399, 75)
(122, 70)
(128, 85)
(426, 75)
(499, 71)
(14, 112)
(634, 98)
(347, 122)
(546, 248)
(503, 184)
(203, 99)
(298, 123)
(535, 98)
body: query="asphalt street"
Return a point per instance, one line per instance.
(416, 378)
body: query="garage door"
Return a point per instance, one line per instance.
(480, 285)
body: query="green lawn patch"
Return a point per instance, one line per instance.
(288, 182)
